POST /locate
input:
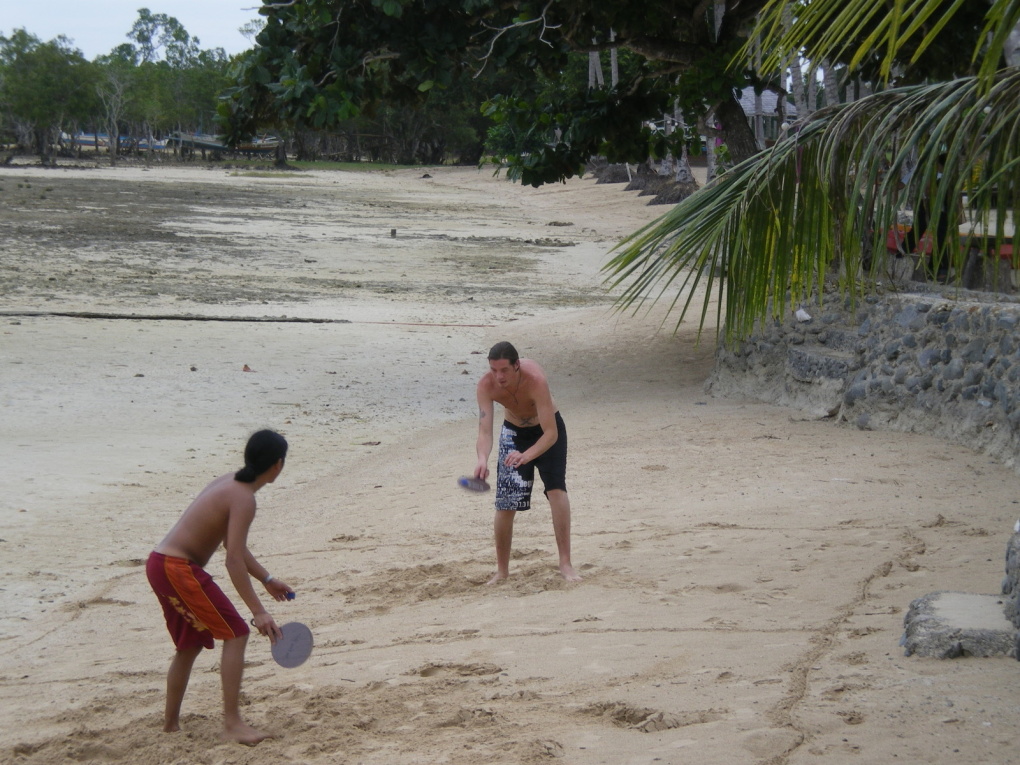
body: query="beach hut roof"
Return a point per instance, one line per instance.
(769, 103)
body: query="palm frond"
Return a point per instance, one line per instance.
(837, 30)
(766, 234)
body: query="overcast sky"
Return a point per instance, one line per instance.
(98, 27)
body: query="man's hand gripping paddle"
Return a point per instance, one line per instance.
(472, 484)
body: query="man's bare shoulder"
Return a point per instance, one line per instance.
(533, 372)
(487, 385)
(204, 524)
(226, 492)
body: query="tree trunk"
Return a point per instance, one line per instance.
(114, 138)
(797, 86)
(831, 84)
(614, 64)
(812, 90)
(684, 174)
(1012, 47)
(595, 79)
(796, 75)
(42, 142)
(759, 109)
(759, 121)
(706, 127)
(736, 132)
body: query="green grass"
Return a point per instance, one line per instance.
(264, 165)
(264, 174)
(321, 164)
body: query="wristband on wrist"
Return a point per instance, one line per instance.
(268, 579)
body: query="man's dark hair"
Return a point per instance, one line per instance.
(503, 350)
(264, 449)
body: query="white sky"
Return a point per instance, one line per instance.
(99, 26)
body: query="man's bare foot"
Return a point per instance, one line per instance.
(498, 577)
(243, 733)
(568, 573)
(171, 727)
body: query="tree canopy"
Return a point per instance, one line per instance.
(320, 62)
(161, 80)
(44, 85)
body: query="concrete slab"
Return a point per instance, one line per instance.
(947, 625)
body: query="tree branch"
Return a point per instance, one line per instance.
(500, 31)
(660, 50)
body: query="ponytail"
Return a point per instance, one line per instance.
(246, 474)
(264, 449)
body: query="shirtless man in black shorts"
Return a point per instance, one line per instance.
(533, 435)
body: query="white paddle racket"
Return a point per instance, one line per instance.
(294, 648)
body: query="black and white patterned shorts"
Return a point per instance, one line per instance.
(513, 485)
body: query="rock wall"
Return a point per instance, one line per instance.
(1011, 583)
(946, 364)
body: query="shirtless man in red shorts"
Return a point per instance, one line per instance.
(533, 436)
(195, 608)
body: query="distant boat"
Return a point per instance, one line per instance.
(196, 141)
(259, 145)
(102, 141)
(90, 140)
(158, 144)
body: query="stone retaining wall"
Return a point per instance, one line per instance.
(1011, 584)
(944, 364)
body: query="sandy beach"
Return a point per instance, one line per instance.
(746, 568)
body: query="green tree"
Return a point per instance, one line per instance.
(161, 81)
(548, 126)
(152, 109)
(198, 87)
(321, 62)
(177, 83)
(779, 224)
(45, 88)
(159, 36)
(112, 90)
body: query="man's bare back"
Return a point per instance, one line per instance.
(202, 528)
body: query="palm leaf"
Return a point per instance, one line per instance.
(827, 28)
(767, 234)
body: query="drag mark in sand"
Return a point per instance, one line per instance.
(823, 641)
(243, 319)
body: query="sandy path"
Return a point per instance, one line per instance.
(746, 569)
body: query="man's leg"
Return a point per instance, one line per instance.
(559, 503)
(176, 684)
(231, 669)
(503, 527)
